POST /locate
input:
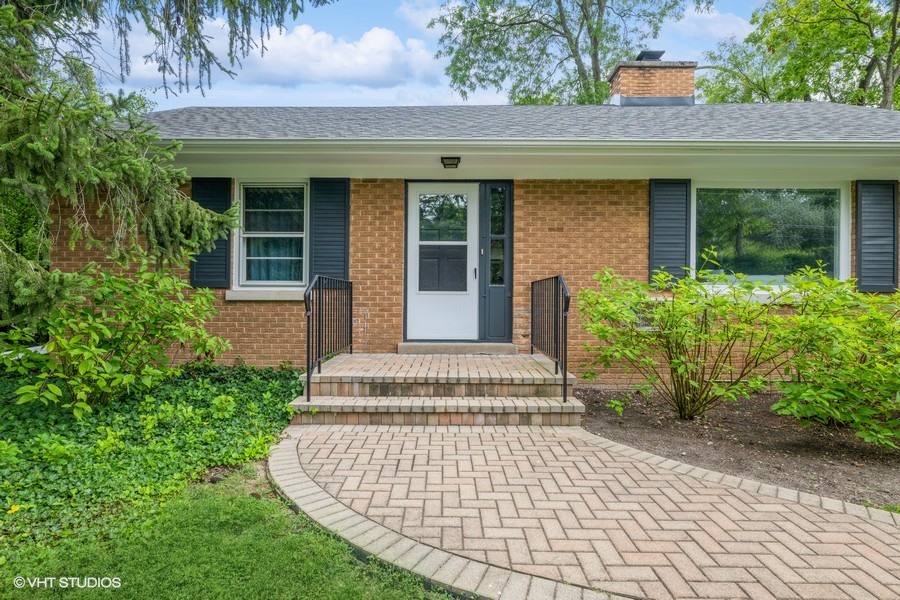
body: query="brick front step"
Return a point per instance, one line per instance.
(456, 348)
(400, 389)
(395, 410)
(438, 375)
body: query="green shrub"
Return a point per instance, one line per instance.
(834, 352)
(116, 340)
(696, 341)
(848, 372)
(60, 476)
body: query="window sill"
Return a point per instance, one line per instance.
(293, 295)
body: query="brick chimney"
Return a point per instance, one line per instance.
(650, 81)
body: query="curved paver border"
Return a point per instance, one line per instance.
(455, 573)
(748, 485)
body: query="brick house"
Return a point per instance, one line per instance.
(443, 216)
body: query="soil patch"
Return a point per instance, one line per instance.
(748, 440)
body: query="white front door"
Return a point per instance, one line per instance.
(442, 276)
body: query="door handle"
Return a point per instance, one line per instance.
(476, 272)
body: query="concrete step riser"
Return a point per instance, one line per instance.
(435, 418)
(430, 390)
(456, 348)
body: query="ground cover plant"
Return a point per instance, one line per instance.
(109, 470)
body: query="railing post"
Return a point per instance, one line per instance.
(565, 350)
(556, 318)
(308, 298)
(350, 315)
(531, 336)
(319, 316)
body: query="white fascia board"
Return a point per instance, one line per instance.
(537, 146)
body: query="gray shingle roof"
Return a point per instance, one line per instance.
(796, 122)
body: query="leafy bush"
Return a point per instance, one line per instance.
(59, 474)
(116, 340)
(849, 370)
(702, 340)
(695, 343)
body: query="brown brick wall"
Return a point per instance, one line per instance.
(376, 262)
(572, 227)
(267, 333)
(653, 81)
(577, 228)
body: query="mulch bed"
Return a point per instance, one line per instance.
(748, 440)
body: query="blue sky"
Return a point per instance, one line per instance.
(379, 52)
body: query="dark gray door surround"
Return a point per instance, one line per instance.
(496, 258)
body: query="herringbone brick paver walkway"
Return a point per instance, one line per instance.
(549, 502)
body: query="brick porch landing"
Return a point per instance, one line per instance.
(437, 375)
(438, 389)
(557, 512)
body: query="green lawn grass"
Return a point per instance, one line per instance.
(219, 541)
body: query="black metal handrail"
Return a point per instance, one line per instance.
(329, 322)
(550, 301)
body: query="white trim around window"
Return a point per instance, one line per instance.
(843, 264)
(241, 235)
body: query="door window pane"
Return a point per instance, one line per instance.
(442, 268)
(443, 217)
(769, 233)
(498, 211)
(498, 263)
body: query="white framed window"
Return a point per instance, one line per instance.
(273, 244)
(770, 231)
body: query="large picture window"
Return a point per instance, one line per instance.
(769, 233)
(273, 234)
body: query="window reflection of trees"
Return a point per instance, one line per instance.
(442, 217)
(769, 233)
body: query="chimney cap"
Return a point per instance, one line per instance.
(650, 55)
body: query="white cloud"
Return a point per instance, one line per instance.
(704, 26)
(379, 58)
(234, 93)
(302, 55)
(419, 13)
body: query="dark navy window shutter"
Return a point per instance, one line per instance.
(329, 224)
(212, 269)
(876, 236)
(670, 213)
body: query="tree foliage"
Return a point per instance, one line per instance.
(65, 142)
(546, 51)
(118, 339)
(836, 50)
